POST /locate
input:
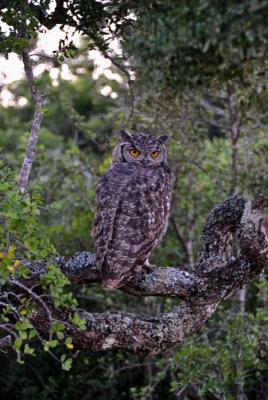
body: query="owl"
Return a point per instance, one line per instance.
(133, 202)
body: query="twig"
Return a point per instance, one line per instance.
(179, 235)
(37, 299)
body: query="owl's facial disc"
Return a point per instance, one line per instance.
(147, 150)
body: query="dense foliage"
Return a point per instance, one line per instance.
(218, 146)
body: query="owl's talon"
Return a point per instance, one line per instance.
(147, 267)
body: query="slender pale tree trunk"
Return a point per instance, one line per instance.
(40, 100)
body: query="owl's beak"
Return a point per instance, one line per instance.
(145, 161)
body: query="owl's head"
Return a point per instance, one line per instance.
(144, 149)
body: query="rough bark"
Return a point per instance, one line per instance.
(217, 276)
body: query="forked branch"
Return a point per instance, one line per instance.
(217, 276)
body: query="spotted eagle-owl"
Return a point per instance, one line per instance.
(133, 203)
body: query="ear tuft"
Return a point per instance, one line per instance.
(124, 136)
(163, 138)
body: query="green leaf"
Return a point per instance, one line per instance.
(17, 343)
(79, 322)
(67, 364)
(28, 349)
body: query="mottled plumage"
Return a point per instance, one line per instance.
(133, 202)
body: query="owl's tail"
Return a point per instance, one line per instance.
(110, 284)
(113, 282)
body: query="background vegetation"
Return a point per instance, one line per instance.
(195, 69)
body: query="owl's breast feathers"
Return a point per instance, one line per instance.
(133, 206)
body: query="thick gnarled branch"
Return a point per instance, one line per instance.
(216, 276)
(132, 332)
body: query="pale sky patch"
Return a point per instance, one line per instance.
(11, 69)
(106, 90)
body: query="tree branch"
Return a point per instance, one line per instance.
(59, 15)
(132, 332)
(217, 276)
(40, 100)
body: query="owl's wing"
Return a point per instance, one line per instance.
(107, 206)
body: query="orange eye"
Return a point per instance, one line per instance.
(134, 152)
(155, 153)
